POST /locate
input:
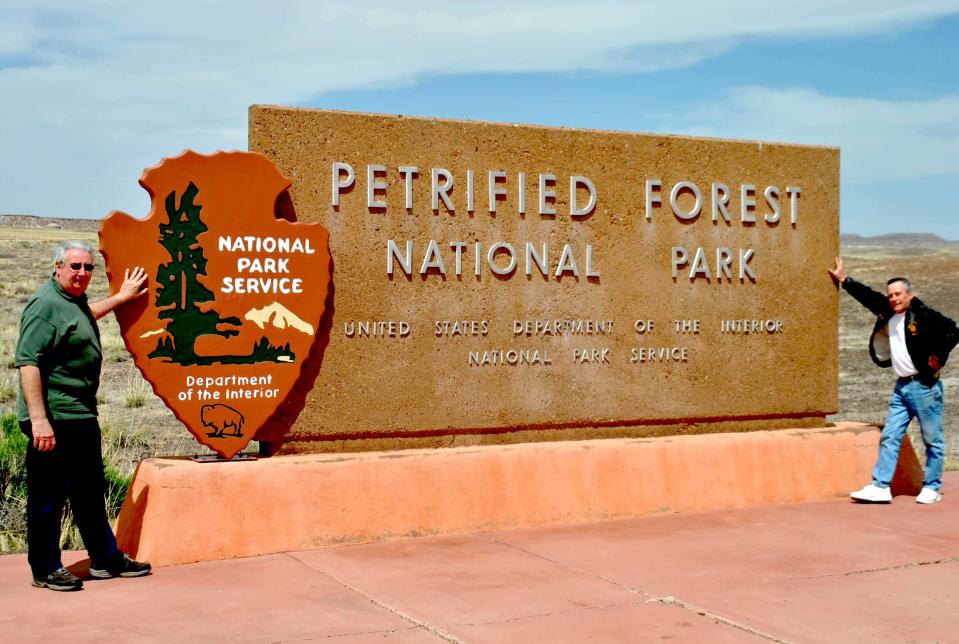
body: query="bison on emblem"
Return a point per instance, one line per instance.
(218, 418)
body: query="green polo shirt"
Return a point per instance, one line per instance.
(59, 336)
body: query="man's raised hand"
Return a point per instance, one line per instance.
(134, 283)
(838, 273)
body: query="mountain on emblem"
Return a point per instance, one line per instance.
(217, 335)
(278, 316)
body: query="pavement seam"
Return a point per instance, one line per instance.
(574, 569)
(667, 600)
(569, 611)
(672, 601)
(435, 630)
(912, 564)
(314, 638)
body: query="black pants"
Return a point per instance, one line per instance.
(74, 470)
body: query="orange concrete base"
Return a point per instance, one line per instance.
(180, 511)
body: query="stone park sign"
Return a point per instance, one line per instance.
(230, 332)
(499, 283)
(481, 283)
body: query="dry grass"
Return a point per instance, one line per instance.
(137, 392)
(8, 386)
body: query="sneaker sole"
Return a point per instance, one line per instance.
(929, 502)
(105, 574)
(57, 587)
(858, 500)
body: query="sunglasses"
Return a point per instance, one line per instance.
(76, 266)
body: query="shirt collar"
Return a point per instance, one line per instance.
(58, 288)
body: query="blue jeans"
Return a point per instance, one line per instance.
(912, 399)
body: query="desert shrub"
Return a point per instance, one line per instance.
(8, 341)
(118, 484)
(13, 485)
(114, 350)
(124, 440)
(137, 392)
(135, 395)
(8, 385)
(13, 450)
(69, 532)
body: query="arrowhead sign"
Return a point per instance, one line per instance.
(235, 298)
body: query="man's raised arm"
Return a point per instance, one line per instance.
(132, 288)
(872, 300)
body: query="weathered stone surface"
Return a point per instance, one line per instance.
(378, 496)
(425, 382)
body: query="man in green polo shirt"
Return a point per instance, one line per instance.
(58, 355)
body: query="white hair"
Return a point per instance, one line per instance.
(60, 252)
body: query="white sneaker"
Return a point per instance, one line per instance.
(929, 495)
(872, 494)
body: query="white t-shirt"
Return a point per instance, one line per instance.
(901, 360)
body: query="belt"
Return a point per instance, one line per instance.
(919, 379)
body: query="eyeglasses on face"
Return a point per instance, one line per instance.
(76, 266)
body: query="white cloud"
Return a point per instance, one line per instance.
(94, 92)
(880, 140)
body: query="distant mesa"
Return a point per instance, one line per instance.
(279, 316)
(36, 221)
(899, 240)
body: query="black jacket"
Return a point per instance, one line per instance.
(928, 332)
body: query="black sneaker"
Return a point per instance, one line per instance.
(125, 567)
(60, 579)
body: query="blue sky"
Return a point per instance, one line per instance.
(92, 96)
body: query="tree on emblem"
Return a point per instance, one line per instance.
(179, 292)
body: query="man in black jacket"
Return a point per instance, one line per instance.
(915, 341)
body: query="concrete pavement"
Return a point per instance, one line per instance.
(829, 571)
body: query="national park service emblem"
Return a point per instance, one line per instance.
(236, 295)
